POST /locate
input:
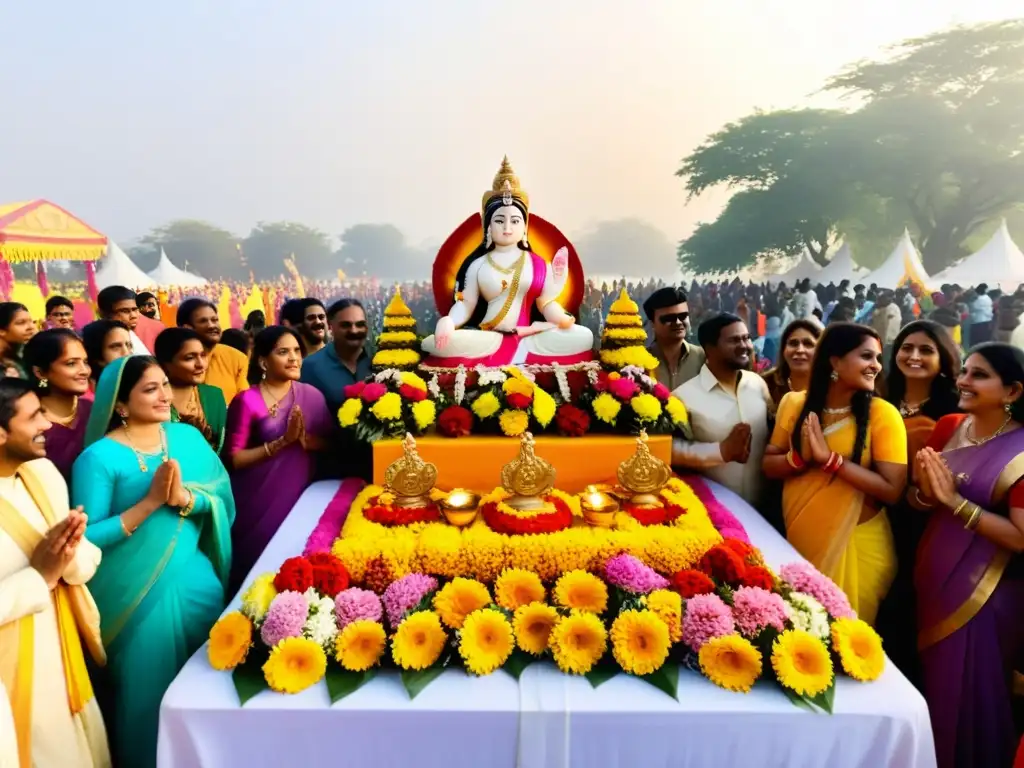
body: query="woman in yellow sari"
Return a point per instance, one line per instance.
(842, 454)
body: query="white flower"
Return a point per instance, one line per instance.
(808, 614)
(312, 596)
(563, 384)
(488, 376)
(389, 374)
(321, 626)
(460, 385)
(592, 375)
(434, 388)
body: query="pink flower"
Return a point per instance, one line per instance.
(804, 577)
(285, 618)
(355, 604)
(705, 617)
(627, 572)
(623, 388)
(405, 594)
(354, 390)
(756, 609)
(373, 392)
(660, 391)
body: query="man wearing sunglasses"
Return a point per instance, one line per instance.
(669, 314)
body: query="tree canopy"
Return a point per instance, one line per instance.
(935, 143)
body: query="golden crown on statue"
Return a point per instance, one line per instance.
(410, 478)
(506, 186)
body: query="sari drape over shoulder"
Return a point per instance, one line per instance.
(822, 512)
(160, 589)
(266, 492)
(64, 444)
(971, 607)
(214, 421)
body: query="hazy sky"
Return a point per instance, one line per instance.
(336, 112)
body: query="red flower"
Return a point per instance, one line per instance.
(394, 515)
(624, 388)
(412, 393)
(295, 574)
(373, 392)
(572, 421)
(689, 583)
(354, 390)
(661, 392)
(723, 564)
(601, 385)
(758, 576)
(519, 401)
(746, 552)
(546, 522)
(455, 421)
(329, 574)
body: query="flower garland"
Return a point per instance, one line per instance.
(502, 518)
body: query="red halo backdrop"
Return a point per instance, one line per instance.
(545, 240)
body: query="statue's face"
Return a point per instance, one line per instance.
(507, 225)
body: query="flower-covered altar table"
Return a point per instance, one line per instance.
(542, 720)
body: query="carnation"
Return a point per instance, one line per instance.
(627, 572)
(320, 626)
(355, 604)
(519, 401)
(689, 583)
(705, 617)
(354, 390)
(756, 609)
(660, 391)
(572, 421)
(294, 575)
(414, 394)
(405, 594)
(722, 563)
(285, 618)
(808, 614)
(455, 421)
(758, 576)
(373, 392)
(805, 578)
(329, 574)
(623, 388)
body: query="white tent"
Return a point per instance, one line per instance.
(999, 262)
(842, 267)
(805, 267)
(903, 265)
(117, 269)
(166, 274)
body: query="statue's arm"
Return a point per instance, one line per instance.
(464, 307)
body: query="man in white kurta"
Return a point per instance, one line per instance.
(58, 737)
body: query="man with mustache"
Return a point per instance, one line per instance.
(228, 368)
(308, 318)
(48, 620)
(342, 362)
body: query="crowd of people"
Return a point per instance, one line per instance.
(144, 468)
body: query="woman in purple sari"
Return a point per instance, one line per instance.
(272, 430)
(969, 574)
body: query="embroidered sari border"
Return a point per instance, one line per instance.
(970, 607)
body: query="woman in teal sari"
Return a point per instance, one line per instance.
(160, 507)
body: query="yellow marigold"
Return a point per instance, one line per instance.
(623, 305)
(668, 606)
(577, 642)
(349, 412)
(459, 598)
(730, 661)
(486, 641)
(388, 407)
(396, 337)
(486, 405)
(620, 358)
(396, 358)
(230, 640)
(515, 386)
(676, 410)
(646, 407)
(640, 641)
(360, 645)
(623, 321)
(514, 422)
(625, 334)
(606, 408)
(516, 587)
(399, 322)
(533, 624)
(295, 664)
(418, 641)
(544, 407)
(582, 591)
(801, 662)
(859, 649)
(423, 413)
(411, 379)
(257, 598)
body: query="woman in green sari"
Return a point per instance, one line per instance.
(181, 354)
(160, 507)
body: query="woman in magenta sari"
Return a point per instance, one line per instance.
(969, 576)
(273, 429)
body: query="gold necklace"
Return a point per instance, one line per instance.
(506, 270)
(274, 406)
(983, 440)
(65, 420)
(140, 456)
(838, 411)
(907, 410)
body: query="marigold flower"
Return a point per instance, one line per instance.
(801, 662)
(418, 641)
(859, 649)
(486, 405)
(514, 423)
(423, 413)
(350, 411)
(640, 641)
(360, 645)
(606, 408)
(230, 640)
(295, 664)
(485, 641)
(459, 598)
(578, 641)
(516, 587)
(532, 624)
(388, 408)
(582, 591)
(731, 662)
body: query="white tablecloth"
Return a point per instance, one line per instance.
(545, 720)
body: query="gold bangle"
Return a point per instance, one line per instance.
(187, 509)
(974, 518)
(125, 527)
(920, 499)
(266, 450)
(960, 508)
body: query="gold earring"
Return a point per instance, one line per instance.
(44, 383)
(1008, 407)
(526, 242)
(835, 375)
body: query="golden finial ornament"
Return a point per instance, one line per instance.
(410, 478)
(644, 474)
(506, 186)
(527, 477)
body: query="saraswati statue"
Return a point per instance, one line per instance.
(506, 309)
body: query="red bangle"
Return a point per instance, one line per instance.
(835, 461)
(795, 460)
